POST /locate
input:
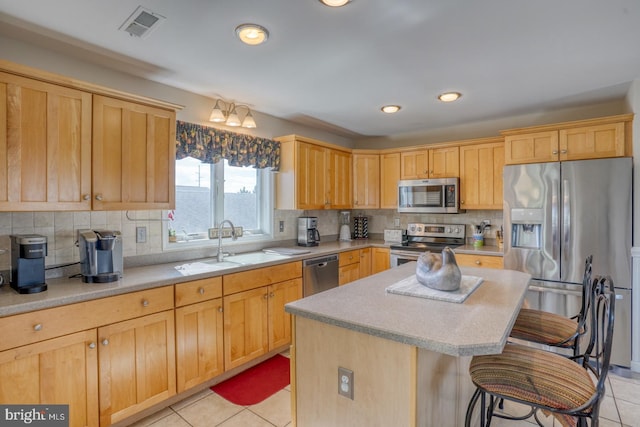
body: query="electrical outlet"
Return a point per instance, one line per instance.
(141, 234)
(281, 226)
(345, 382)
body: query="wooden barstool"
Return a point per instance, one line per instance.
(554, 330)
(547, 381)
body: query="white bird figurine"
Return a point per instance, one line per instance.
(439, 272)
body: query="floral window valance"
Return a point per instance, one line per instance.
(209, 145)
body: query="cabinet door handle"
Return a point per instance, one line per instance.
(271, 295)
(105, 342)
(99, 197)
(37, 327)
(554, 152)
(462, 202)
(478, 262)
(563, 151)
(92, 345)
(86, 197)
(145, 303)
(201, 291)
(220, 309)
(265, 296)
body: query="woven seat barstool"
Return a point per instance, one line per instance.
(547, 381)
(554, 330)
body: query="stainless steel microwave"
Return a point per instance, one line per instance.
(429, 195)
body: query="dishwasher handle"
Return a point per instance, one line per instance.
(320, 261)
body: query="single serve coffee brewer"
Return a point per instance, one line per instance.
(28, 252)
(100, 255)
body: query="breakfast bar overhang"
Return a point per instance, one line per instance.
(409, 355)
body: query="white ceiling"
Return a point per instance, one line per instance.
(339, 66)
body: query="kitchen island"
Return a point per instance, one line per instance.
(409, 355)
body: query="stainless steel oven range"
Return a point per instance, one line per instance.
(426, 238)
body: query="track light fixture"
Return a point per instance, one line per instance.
(226, 112)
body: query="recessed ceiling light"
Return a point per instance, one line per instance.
(335, 3)
(449, 96)
(252, 34)
(390, 109)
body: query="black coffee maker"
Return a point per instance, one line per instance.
(100, 255)
(28, 252)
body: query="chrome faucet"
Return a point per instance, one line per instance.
(233, 237)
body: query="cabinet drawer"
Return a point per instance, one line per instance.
(198, 291)
(41, 325)
(487, 261)
(245, 280)
(349, 257)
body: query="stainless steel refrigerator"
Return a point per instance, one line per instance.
(555, 215)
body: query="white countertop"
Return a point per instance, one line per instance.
(479, 325)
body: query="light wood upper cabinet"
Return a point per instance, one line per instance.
(57, 371)
(45, 146)
(531, 148)
(340, 180)
(366, 181)
(481, 176)
(389, 176)
(579, 140)
(133, 155)
(433, 163)
(313, 175)
(414, 164)
(592, 142)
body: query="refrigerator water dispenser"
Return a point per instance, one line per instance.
(526, 228)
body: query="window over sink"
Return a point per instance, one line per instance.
(209, 193)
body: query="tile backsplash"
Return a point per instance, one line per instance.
(61, 228)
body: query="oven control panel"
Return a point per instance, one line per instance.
(436, 230)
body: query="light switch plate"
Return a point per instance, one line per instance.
(393, 236)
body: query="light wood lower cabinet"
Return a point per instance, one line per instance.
(199, 332)
(380, 260)
(57, 371)
(348, 266)
(487, 261)
(137, 365)
(255, 321)
(365, 262)
(254, 318)
(279, 320)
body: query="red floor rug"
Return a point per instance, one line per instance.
(257, 383)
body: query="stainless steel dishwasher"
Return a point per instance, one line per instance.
(319, 274)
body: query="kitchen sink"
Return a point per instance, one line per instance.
(230, 261)
(205, 267)
(254, 258)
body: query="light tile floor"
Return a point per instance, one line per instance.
(621, 408)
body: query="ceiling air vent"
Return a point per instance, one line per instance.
(142, 22)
